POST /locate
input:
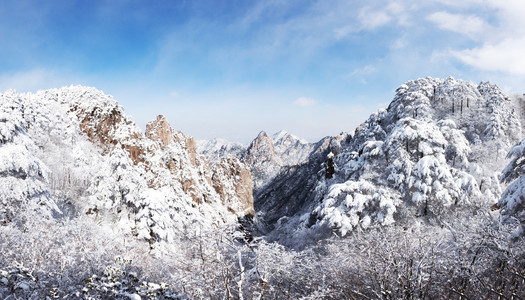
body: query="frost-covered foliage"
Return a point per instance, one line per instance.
(79, 259)
(74, 259)
(512, 201)
(23, 176)
(438, 146)
(73, 151)
(361, 201)
(92, 208)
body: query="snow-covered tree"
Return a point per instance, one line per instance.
(23, 186)
(353, 204)
(431, 148)
(512, 202)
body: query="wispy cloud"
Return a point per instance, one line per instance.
(199, 55)
(368, 69)
(505, 56)
(304, 102)
(371, 19)
(468, 25)
(387, 12)
(498, 35)
(362, 73)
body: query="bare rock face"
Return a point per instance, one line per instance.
(154, 181)
(261, 150)
(160, 130)
(101, 119)
(262, 158)
(232, 180)
(191, 148)
(173, 151)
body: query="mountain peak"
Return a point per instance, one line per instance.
(160, 130)
(283, 135)
(280, 134)
(262, 134)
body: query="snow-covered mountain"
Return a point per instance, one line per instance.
(74, 151)
(439, 146)
(265, 155)
(216, 149)
(292, 149)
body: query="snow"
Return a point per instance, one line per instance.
(73, 148)
(437, 146)
(512, 201)
(433, 148)
(216, 149)
(282, 135)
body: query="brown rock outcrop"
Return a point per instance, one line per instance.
(105, 129)
(160, 130)
(232, 180)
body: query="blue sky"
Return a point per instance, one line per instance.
(233, 68)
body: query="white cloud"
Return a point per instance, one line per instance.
(388, 12)
(461, 4)
(341, 32)
(400, 11)
(498, 30)
(304, 102)
(399, 43)
(361, 74)
(368, 69)
(468, 25)
(373, 19)
(505, 56)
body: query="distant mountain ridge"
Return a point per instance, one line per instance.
(265, 155)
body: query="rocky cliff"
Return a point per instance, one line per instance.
(80, 153)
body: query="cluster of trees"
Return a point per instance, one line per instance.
(420, 157)
(463, 258)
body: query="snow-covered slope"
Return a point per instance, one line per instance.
(216, 149)
(291, 149)
(440, 145)
(73, 150)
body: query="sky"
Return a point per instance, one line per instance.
(231, 68)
